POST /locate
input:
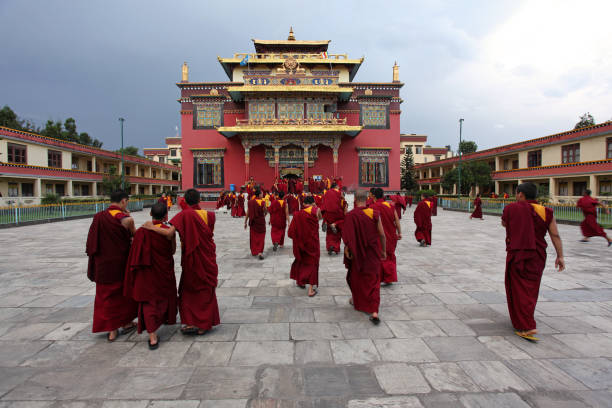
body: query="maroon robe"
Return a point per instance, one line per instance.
(257, 226)
(197, 298)
(304, 231)
(526, 226)
(233, 204)
(294, 204)
(422, 219)
(333, 213)
(434, 206)
(150, 280)
(477, 213)
(387, 217)
(278, 221)
(400, 205)
(240, 206)
(108, 247)
(360, 235)
(409, 198)
(589, 226)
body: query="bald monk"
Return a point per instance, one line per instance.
(197, 298)
(393, 233)
(364, 249)
(477, 213)
(333, 215)
(526, 224)
(304, 231)
(422, 219)
(149, 276)
(279, 214)
(108, 247)
(589, 226)
(256, 220)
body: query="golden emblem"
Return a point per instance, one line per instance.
(290, 64)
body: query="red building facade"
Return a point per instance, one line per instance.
(290, 109)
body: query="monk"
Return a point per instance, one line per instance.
(279, 214)
(293, 203)
(589, 226)
(240, 205)
(304, 231)
(256, 219)
(108, 248)
(169, 198)
(477, 213)
(422, 219)
(527, 223)
(364, 249)
(333, 216)
(371, 199)
(434, 205)
(409, 198)
(393, 233)
(197, 298)
(400, 204)
(149, 276)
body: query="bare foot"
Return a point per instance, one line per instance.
(112, 335)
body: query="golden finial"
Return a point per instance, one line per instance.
(291, 36)
(214, 92)
(368, 91)
(395, 72)
(185, 72)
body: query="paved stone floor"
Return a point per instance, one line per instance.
(445, 340)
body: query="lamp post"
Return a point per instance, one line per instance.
(122, 162)
(460, 129)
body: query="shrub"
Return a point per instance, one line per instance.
(50, 198)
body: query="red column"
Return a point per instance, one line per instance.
(306, 168)
(335, 162)
(246, 163)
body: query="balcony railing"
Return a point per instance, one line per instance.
(285, 55)
(291, 122)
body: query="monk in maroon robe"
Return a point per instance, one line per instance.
(240, 205)
(477, 213)
(589, 226)
(304, 231)
(108, 247)
(434, 205)
(333, 210)
(409, 199)
(279, 213)
(371, 199)
(197, 298)
(393, 233)
(364, 248)
(422, 219)
(293, 203)
(149, 276)
(256, 220)
(400, 204)
(526, 224)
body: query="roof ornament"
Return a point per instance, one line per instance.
(214, 92)
(368, 92)
(291, 36)
(185, 77)
(395, 72)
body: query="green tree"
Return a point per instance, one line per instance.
(467, 146)
(473, 174)
(585, 120)
(9, 119)
(129, 150)
(112, 182)
(408, 181)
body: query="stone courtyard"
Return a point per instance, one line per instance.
(445, 339)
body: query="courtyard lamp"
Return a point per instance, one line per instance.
(122, 161)
(460, 129)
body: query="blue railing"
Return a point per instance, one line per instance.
(19, 215)
(563, 212)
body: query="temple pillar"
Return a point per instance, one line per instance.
(306, 167)
(335, 162)
(497, 187)
(552, 189)
(38, 188)
(246, 163)
(593, 185)
(276, 161)
(94, 188)
(69, 188)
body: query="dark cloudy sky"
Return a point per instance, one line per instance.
(512, 69)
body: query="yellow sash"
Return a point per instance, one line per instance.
(387, 204)
(204, 215)
(281, 202)
(428, 203)
(369, 212)
(114, 212)
(540, 210)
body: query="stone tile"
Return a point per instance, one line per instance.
(154, 384)
(312, 351)
(208, 354)
(174, 404)
(169, 354)
(429, 312)
(441, 400)
(11, 377)
(245, 316)
(454, 328)
(65, 331)
(46, 301)
(503, 348)
(595, 373)
(569, 325)
(556, 399)
(365, 330)
(223, 332)
(488, 297)
(29, 332)
(412, 350)
(448, 377)
(126, 404)
(438, 288)
(325, 381)
(455, 298)
(543, 375)
(254, 353)
(426, 299)
(459, 349)
(548, 347)
(228, 403)
(505, 400)
(415, 328)
(362, 381)
(493, 376)
(589, 345)
(220, 383)
(600, 399)
(354, 351)
(280, 383)
(26, 404)
(337, 314)
(315, 331)
(400, 378)
(386, 402)
(58, 354)
(263, 331)
(12, 353)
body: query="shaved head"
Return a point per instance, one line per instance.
(361, 196)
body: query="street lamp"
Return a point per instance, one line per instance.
(122, 162)
(460, 129)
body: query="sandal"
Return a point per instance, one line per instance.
(108, 338)
(314, 293)
(189, 330)
(153, 346)
(527, 336)
(375, 320)
(126, 330)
